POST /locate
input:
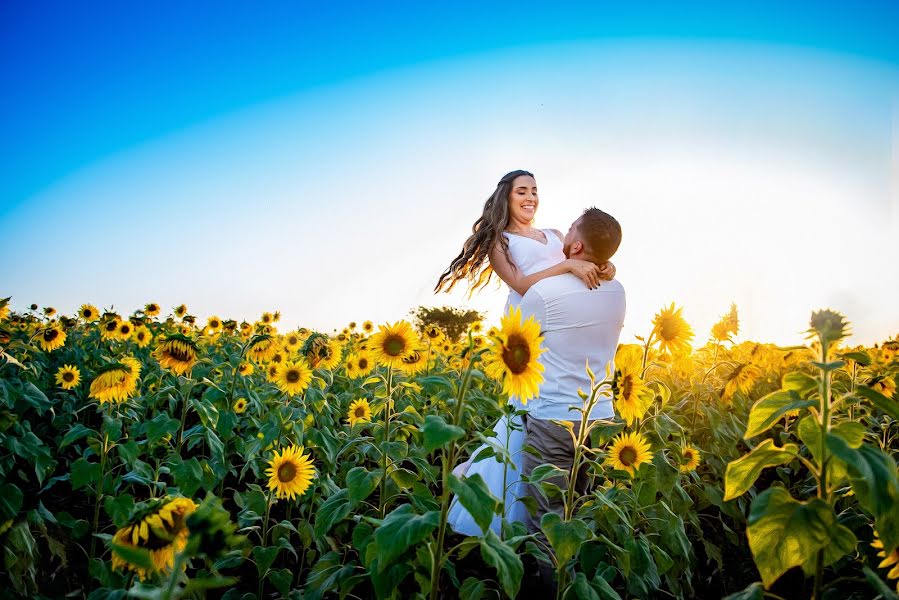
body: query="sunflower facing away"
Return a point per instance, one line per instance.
(672, 331)
(513, 357)
(322, 353)
(293, 377)
(628, 452)
(741, 379)
(290, 472)
(161, 529)
(359, 412)
(689, 459)
(51, 337)
(393, 343)
(177, 353)
(116, 382)
(889, 560)
(68, 377)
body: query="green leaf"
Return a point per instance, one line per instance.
(402, 529)
(582, 588)
(160, 426)
(209, 414)
(472, 589)
(784, 533)
(799, 382)
(860, 357)
(566, 537)
(84, 472)
(754, 591)
(403, 477)
(281, 579)
(361, 483)
(881, 402)
(879, 586)
(473, 493)
(742, 473)
(264, 557)
(852, 432)
(438, 433)
(606, 591)
(137, 556)
(770, 409)
(505, 560)
(333, 510)
(10, 501)
(187, 476)
(75, 433)
(842, 542)
(875, 481)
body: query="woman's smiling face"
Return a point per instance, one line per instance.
(523, 200)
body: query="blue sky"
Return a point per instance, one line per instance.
(264, 150)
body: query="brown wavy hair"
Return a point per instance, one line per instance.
(473, 263)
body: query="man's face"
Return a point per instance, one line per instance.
(570, 238)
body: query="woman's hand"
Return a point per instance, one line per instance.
(607, 271)
(586, 270)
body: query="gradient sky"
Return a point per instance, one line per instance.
(328, 160)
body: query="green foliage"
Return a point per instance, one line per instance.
(452, 321)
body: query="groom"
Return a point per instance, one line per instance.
(579, 326)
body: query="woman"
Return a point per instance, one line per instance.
(504, 241)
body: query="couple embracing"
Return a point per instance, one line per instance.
(567, 284)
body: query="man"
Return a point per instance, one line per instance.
(579, 326)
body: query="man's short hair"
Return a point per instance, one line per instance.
(600, 233)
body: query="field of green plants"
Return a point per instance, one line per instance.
(154, 456)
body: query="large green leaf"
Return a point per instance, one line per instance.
(160, 426)
(333, 510)
(438, 433)
(264, 557)
(754, 591)
(874, 480)
(887, 405)
(187, 475)
(771, 408)
(505, 560)
(799, 382)
(742, 473)
(842, 542)
(84, 472)
(473, 493)
(566, 537)
(785, 533)
(402, 529)
(361, 482)
(10, 500)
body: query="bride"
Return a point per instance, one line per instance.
(504, 241)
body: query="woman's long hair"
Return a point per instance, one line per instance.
(473, 263)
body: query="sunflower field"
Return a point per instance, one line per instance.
(155, 456)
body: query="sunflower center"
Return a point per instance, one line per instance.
(688, 456)
(394, 345)
(178, 355)
(627, 386)
(50, 335)
(68, 376)
(292, 376)
(669, 330)
(517, 354)
(628, 456)
(359, 412)
(287, 472)
(363, 363)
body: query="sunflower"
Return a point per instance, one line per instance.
(68, 377)
(151, 309)
(628, 452)
(290, 472)
(359, 412)
(727, 326)
(213, 324)
(142, 336)
(240, 405)
(883, 384)
(629, 358)
(88, 313)
(51, 337)
(267, 318)
(124, 330)
(177, 353)
(689, 459)
(262, 348)
(889, 560)
(513, 357)
(632, 397)
(4, 308)
(476, 327)
(180, 311)
(322, 353)
(393, 343)
(359, 365)
(293, 377)
(414, 363)
(116, 382)
(246, 369)
(673, 333)
(49, 311)
(741, 379)
(109, 327)
(161, 529)
(292, 341)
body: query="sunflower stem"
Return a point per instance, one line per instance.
(385, 455)
(99, 491)
(823, 493)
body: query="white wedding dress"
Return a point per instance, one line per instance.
(529, 256)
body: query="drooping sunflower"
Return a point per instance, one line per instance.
(628, 452)
(359, 412)
(883, 384)
(262, 348)
(161, 528)
(125, 329)
(514, 356)
(690, 457)
(727, 326)
(177, 353)
(889, 560)
(414, 363)
(68, 377)
(246, 369)
(632, 396)
(151, 309)
(109, 327)
(88, 313)
(393, 343)
(240, 405)
(293, 377)
(321, 352)
(672, 331)
(142, 336)
(116, 382)
(290, 472)
(51, 337)
(741, 379)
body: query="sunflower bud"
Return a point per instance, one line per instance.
(830, 326)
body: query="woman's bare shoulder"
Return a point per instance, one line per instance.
(558, 234)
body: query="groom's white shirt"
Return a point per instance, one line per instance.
(578, 325)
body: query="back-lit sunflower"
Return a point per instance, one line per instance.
(116, 382)
(514, 356)
(68, 377)
(293, 377)
(393, 343)
(161, 529)
(142, 336)
(672, 331)
(246, 369)
(262, 348)
(741, 379)
(632, 396)
(628, 452)
(177, 353)
(125, 330)
(51, 337)
(290, 472)
(689, 459)
(88, 313)
(359, 412)
(151, 309)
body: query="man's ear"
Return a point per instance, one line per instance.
(577, 247)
